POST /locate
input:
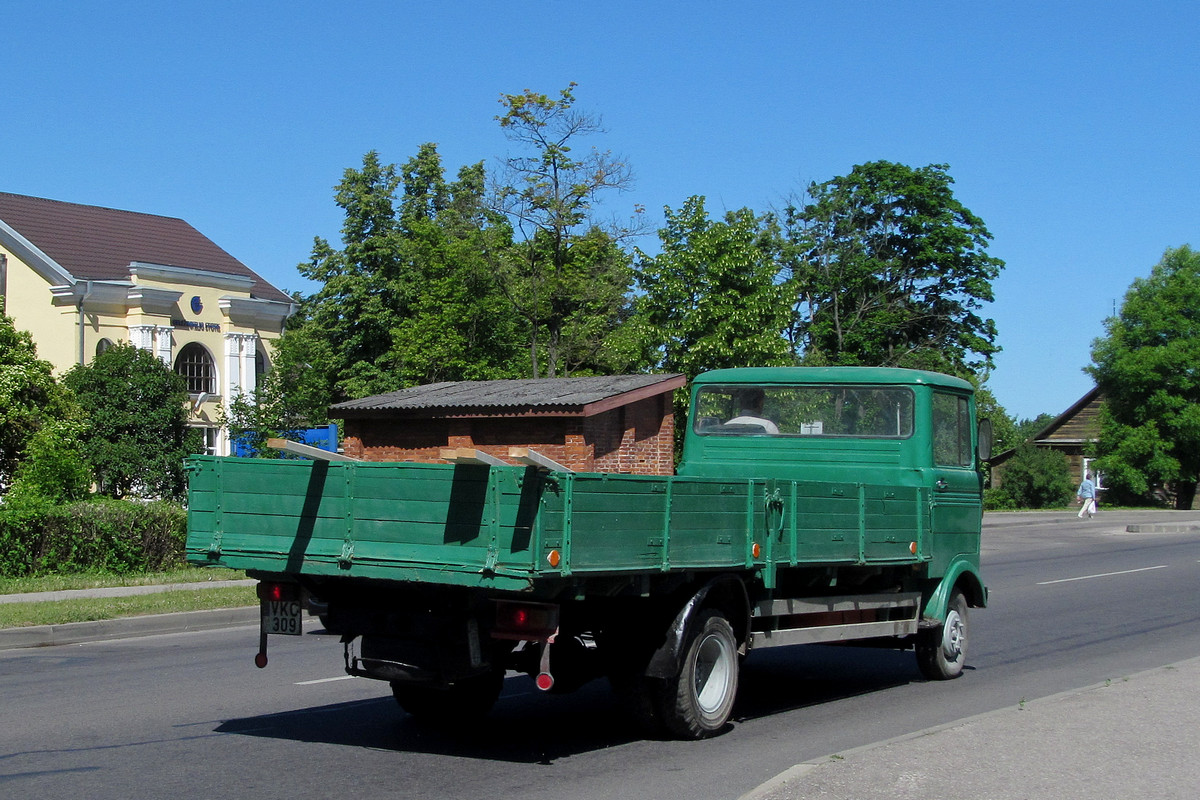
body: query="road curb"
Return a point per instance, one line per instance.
(1161, 528)
(776, 786)
(126, 627)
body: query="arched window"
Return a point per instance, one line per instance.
(103, 345)
(260, 368)
(197, 368)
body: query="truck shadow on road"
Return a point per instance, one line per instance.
(527, 726)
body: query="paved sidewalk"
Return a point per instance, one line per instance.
(1131, 737)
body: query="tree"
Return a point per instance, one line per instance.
(410, 297)
(136, 435)
(1028, 428)
(1035, 477)
(890, 269)
(55, 467)
(456, 322)
(568, 280)
(710, 296)
(29, 396)
(1005, 433)
(352, 316)
(1146, 367)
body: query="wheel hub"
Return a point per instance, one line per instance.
(953, 636)
(712, 673)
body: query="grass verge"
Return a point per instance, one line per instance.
(57, 612)
(57, 583)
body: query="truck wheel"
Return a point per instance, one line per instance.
(698, 702)
(942, 652)
(467, 699)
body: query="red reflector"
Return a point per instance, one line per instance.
(544, 681)
(525, 621)
(277, 592)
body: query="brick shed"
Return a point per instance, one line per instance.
(620, 423)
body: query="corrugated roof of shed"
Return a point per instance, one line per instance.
(511, 396)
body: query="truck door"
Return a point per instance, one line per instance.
(957, 500)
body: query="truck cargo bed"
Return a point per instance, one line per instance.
(507, 527)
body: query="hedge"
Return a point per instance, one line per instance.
(114, 536)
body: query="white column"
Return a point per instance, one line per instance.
(163, 343)
(233, 366)
(142, 336)
(249, 347)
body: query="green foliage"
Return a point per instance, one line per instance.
(1028, 428)
(890, 269)
(29, 396)
(567, 277)
(38, 537)
(411, 297)
(1005, 434)
(136, 435)
(1145, 366)
(55, 466)
(998, 500)
(348, 322)
(457, 322)
(1035, 477)
(710, 298)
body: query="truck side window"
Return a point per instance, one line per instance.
(951, 431)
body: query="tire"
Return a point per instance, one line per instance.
(469, 699)
(698, 702)
(942, 652)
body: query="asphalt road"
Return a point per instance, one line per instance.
(188, 715)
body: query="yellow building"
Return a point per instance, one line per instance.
(81, 278)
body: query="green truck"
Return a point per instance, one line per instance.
(811, 505)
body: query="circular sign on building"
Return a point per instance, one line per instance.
(197, 306)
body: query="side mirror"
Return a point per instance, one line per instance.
(985, 439)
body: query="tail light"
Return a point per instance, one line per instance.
(278, 592)
(531, 622)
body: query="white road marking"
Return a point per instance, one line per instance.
(327, 680)
(1103, 575)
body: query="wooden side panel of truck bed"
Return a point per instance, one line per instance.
(507, 527)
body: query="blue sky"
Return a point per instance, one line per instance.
(1070, 128)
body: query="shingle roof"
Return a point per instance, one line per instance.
(545, 396)
(95, 243)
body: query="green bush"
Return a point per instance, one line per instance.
(40, 538)
(997, 500)
(1035, 477)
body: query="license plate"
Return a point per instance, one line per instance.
(281, 616)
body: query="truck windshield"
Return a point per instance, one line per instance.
(875, 412)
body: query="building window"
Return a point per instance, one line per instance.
(260, 369)
(197, 368)
(210, 440)
(103, 345)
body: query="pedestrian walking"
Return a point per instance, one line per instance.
(1087, 496)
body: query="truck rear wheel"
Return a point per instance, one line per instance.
(942, 652)
(467, 699)
(699, 701)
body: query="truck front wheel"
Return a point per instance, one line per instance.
(699, 701)
(942, 652)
